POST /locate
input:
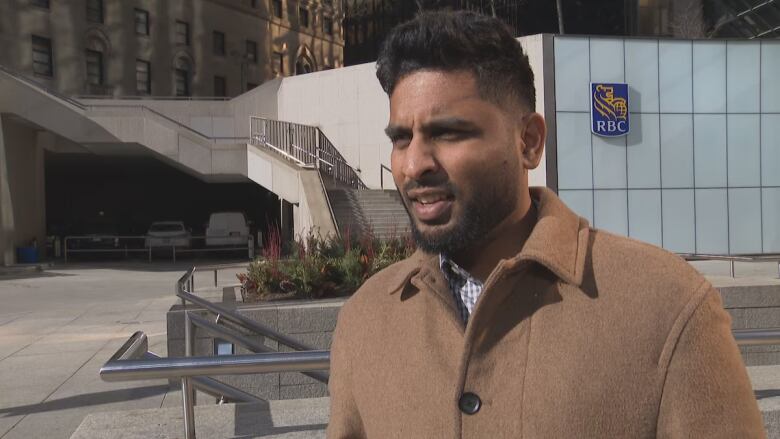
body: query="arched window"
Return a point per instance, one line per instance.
(96, 56)
(182, 73)
(304, 61)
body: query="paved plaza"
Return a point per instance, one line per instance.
(59, 326)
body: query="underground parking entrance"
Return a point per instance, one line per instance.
(111, 207)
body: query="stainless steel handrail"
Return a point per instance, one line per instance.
(165, 368)
(36, 84)
(767, 257)
(306, 144)
(236, 338)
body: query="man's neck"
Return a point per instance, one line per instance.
(504, 241)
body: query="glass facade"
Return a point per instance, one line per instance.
(699, 172)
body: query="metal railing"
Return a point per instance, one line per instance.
(734, 258)
(133, 361)
(41, 86)
(227, 325)
(120, 245)
(306, 146)
(382, 169)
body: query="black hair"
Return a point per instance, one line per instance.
(461, 40)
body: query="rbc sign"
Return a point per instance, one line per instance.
(609, 109)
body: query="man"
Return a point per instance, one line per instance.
(514, 318)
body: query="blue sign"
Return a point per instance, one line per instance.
(609, 109)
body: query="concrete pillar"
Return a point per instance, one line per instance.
(7, 254)
(22, 190)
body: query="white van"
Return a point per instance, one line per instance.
(227, 229)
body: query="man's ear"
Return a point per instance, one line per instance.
(533, 132)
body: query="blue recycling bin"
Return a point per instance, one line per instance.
(26, 255)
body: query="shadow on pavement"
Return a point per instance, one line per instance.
(86, 400)
(31, 275)
(767, 393)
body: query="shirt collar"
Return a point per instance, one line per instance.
(559, 242)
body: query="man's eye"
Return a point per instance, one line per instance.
(399, 141)
(450, 136)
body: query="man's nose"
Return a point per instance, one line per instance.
(419, 159)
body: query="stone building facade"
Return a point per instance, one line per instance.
(168, 48)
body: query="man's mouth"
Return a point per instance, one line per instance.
(431, 207)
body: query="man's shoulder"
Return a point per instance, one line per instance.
(640, 266)
(377, 290)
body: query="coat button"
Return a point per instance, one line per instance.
(469, 403)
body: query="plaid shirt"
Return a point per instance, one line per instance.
(464, 286)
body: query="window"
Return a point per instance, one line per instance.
(182, 33)
(278, 63)
(303, 17)
(40, 3)
(251, 51)
(219, 43)
(253, 3)
(42, 57)
(327, 25)
(182, 82)
(143, 77)
(94, 67)
(141, 22)
(220, 86)
(276, 5)
(95, 11)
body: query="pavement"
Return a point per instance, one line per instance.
(58, 326)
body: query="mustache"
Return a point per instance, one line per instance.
(444, 186)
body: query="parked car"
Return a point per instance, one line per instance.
(227, 229)
(168, 234)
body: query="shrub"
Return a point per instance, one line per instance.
(314, 266)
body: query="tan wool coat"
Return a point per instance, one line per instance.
(583, 334)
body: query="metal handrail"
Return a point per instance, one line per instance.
(36, 84)
(181, 367)
(330, 206)
(766, 257)
(154, 98)
(382, 169)
(305, 144)
(133, 362)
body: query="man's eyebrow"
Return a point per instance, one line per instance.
(433, 126)
(446, 123)
(395, 130)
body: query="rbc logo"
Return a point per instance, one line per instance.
(609, 109)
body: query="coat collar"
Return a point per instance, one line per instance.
(559, 242)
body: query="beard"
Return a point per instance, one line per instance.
(478, 214)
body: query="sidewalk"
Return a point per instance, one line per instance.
(57, 327)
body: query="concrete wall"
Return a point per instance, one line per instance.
(22, 189)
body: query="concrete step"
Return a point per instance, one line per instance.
(291, 418)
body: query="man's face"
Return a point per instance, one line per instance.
(456, 159)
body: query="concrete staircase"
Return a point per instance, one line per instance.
(379, 212)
